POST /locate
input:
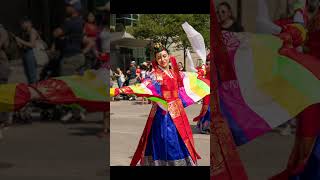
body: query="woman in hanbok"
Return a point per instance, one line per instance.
(167, 138)
(203, 120)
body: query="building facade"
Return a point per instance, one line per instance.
(119, 22)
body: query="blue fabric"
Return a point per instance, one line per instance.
(312, 169)
(205, 121)
(184, 103)
(237, 133)
(30, 66)
(157, 85)
(164, 142)
(120, 83)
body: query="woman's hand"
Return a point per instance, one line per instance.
(19, 40)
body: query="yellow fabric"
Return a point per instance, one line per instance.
(269, 81)
(112, 92)
(7, 97)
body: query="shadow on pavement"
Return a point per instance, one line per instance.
(6, 165)
(195, 130)
(86, 131)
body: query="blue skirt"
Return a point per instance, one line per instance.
(165, 146)
(204, 124)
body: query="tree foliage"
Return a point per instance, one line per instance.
(167, 29)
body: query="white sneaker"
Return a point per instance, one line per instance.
(82, 116)
(66, 117)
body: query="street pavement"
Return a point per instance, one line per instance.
(51, 150)
(47, 150)
(267, 155)
(127, 122)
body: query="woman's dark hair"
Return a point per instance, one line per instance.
(228, 6)
(150, 68)
(25, 19)
(87, 16)
(158, 47)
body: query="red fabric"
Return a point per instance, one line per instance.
(308, 128)
(291, 35)
(201, 71)
(313, 43)
(138, 71)
(308, 121)
(283, 22)
(55, 91)
(139, 153)
(225, 161)
(95, 106)
(206, 100)
(176, 70)
(91, 30)
(105, 57)
(204, 108)
(309, 62)
(22, 96)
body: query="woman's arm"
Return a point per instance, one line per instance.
(31, 43)
(147, 88)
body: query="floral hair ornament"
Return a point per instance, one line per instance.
(158, 47)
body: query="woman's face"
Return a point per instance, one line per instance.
(163, 59)
(224, 13)
(91, 18)
(25, 25)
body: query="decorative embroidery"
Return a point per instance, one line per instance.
(223, 149)
(173, 108)
(148, 161)
(167, 72)
(233, 84)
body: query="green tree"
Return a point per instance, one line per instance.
(167, 29)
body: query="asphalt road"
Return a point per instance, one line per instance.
(51, 150)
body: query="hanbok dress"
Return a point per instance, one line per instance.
(167, 138)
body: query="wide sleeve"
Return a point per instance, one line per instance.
(194, 88)
(88, 90)
(147, 88)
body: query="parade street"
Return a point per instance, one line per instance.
(51, 151)
(262, 158)
(266, 156)
(127, 122)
